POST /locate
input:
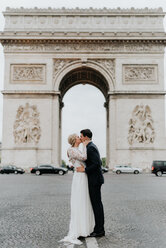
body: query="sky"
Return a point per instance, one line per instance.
(79, 111)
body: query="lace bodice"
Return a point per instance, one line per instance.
(76, 156)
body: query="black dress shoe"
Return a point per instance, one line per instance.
(94, 234)
(81, 237)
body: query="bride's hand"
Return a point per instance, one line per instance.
(80, 169)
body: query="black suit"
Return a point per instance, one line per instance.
(95, 180)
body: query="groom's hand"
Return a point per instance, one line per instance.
(80, 169)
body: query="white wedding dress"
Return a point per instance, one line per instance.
(82, 217)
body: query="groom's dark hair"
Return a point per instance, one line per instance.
(87, 132)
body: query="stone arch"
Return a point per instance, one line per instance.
(93, 73)
(84, 76)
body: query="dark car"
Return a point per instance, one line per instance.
(104, 169)
(159, 167)
(11, 169)
(70, 168)
(48, 169)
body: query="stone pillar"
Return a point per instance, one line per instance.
(56, 132)
(111, 132)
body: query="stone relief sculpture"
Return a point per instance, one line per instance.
(84, 47)
(142, 72)
(60, 64)
(109, 64)
(27, 125)
(28, 73)
(141, 129)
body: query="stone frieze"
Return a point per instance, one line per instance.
(87, 47)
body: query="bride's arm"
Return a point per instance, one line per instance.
(77, 154)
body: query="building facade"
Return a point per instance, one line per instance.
(48, 51)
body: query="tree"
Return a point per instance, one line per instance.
(63, 163)
(103, 162)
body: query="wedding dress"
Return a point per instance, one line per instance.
(82, 217)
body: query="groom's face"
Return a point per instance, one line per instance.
(82, 137)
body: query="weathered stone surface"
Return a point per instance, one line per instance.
(48, 51)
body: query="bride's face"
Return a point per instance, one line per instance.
(78, 140)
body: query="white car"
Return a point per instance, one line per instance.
(126, 169)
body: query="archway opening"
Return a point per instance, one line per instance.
(84, 75)
(83, 108)
(84, 93)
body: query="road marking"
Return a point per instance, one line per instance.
(70, 246)
(91, 243)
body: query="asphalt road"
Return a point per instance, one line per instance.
(35, 211)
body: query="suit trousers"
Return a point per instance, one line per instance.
(95, 196)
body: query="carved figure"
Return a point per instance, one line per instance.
(141, 128)
(27, 125)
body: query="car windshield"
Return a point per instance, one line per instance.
(45, 166)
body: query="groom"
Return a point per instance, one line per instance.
(95, 180)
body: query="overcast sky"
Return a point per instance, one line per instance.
(83, 104)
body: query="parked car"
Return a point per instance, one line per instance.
(104, 169)
(11, 169)
(70, 168)
(159, 168)
(126, 169)
(48, 169)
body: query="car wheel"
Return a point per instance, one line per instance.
(61, 172)
(159, 173)
(15, 172)
(136, 172)
(118, 172)
(38, 172)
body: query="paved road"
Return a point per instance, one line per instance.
(35, 211)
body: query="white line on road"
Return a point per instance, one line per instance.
(70, 246)
(91, 243)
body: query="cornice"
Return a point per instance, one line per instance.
(70, 41)
(53, 92)
(30, 92)
(87, 38)
(80, 35)
(81, 11)
(116, 92)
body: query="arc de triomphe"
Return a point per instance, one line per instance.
(47, 51)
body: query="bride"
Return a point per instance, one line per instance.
(82, 217)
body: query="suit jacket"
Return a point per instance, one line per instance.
(93, 165)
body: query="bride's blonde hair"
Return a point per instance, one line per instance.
(72, 139)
